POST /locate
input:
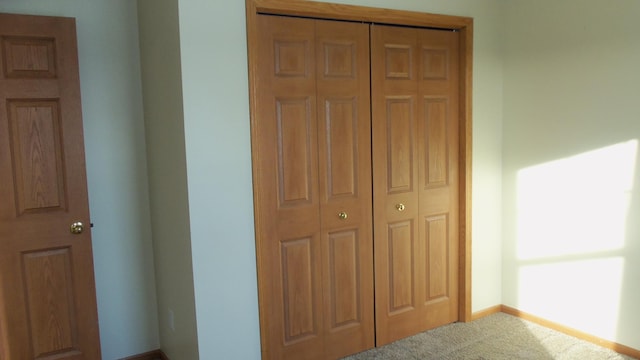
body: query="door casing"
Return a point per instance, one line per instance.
(464, 25)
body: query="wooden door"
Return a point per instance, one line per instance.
(47, 291)
(344, 142)
(312, 188)
(414, 75)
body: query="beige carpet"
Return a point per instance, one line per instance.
(495, 337)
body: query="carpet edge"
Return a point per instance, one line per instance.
(619, 348)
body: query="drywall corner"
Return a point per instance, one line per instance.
(164, 124)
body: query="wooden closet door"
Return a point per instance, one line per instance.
(414, 74)
(311, 158)
(344, 133)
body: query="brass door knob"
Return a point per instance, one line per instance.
(342, 215)
(400, 207)
(77, 227)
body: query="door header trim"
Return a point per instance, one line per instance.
(320, 10)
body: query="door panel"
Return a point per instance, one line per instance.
(313, 117)
(398, 272)
(297, 279)
(400, 131)
(294, 125)
(47, 292)
(435, 131)
(36, 156)
(287, 200)
(48, 285)
(341, 128)
(414, 94)
(438, 121)
(344, 270)
(344, 128)
(401, 267)
(29, 57)
(436, 229)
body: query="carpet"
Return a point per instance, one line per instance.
(495, 337)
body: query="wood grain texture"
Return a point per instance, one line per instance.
(49, 296)
(375, 15)
(344, 132)
(288, 239)
(36, 155)
(48, 292)
(259, 197)
(312, 124)
(344, 278)
(415, 167)
(397, 249)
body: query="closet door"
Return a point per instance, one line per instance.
(414, 74)
(312, 188)
(344, 133)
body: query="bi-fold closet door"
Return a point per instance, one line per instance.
(414, 77)
(328, 204)
(313, 188)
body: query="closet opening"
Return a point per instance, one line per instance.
(361, 152)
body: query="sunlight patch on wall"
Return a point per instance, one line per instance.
(572, 221)
(583, 294)
(576, 205)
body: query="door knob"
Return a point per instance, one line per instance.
(77, 227)
(400, 207)
(342, 215)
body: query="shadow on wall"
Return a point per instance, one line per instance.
(574, 239)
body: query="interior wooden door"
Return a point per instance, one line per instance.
(312, 188)
(344, 142)
(414, 74)
(47, 291)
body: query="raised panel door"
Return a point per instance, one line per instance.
(286, 192)
(398, 249)
(438, 168)
(415, 154)
(47, 290)
(313, 152)
(344, 143)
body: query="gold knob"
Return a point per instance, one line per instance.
(77, 227)
(342, 215)
(400, 207)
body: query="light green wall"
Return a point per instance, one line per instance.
(568, 70)
(571, 196)
(116, 167)
(218, 153)
(162, 88)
